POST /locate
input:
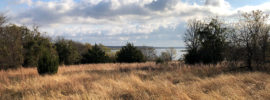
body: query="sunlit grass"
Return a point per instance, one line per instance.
(174, 81)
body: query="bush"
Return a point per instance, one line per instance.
(95, 55)
(33, 46)
(159, 61)
(165, 57)
(47, 63)
(67, 52)
(192, 57)
(129, 54)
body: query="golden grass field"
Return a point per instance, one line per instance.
(137, 81)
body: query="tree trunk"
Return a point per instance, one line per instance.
(249, 62)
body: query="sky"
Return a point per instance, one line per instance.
(160, 23)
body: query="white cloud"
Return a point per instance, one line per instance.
(217, 3)
(123, 38)
(114, 17)
(264, 7)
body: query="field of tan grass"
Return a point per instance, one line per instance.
(144, 81)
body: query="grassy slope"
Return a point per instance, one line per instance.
(106, 81)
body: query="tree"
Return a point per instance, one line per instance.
(33, 45)
(253, 34)
(129, 54)
(191, 38)
(234, 51)
(165, 56)
(67, 52)
(95, 55)
(10, 46)
(80, 47)
(104, 48)
(21, 46)
(205, 42)
(171, 53)
(48, 62)
(149, 53)
(3, 19)
(213, 41)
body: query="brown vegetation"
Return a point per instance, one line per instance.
(141, 81)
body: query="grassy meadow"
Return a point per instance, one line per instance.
(136, 81)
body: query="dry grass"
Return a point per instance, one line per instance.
(135, 81)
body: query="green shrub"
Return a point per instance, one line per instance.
(159, 61)
(95, 55)
(68, 54)
(130, 54)
(33, 46)
(47, 63)
(192, 57)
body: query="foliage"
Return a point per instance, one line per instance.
(159, 61)
(48, 63)
(111, 57)
(129, 54)
(33, 45)
(67, 52)
(205, 42)
(192, 57)
(3, 19)
(95, 55)
(253, 35)
(10, 47)
(104, 48)
(212, 38)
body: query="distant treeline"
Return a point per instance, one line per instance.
(119, 47)
(208, 41)
(22, 46)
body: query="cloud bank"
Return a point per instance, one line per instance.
(122, 19)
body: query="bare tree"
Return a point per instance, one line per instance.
(192, 34)
(165, 56)
(171, 52)
(192, 41)
(3, 19)
(253, 36)
(149, 53)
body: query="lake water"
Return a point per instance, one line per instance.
(179, 52)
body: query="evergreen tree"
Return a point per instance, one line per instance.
(48, 62)
(33, 45)
(95, 55)
(129, 54)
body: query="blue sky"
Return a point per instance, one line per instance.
(115, 22)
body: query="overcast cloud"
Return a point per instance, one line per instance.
(114, 22)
